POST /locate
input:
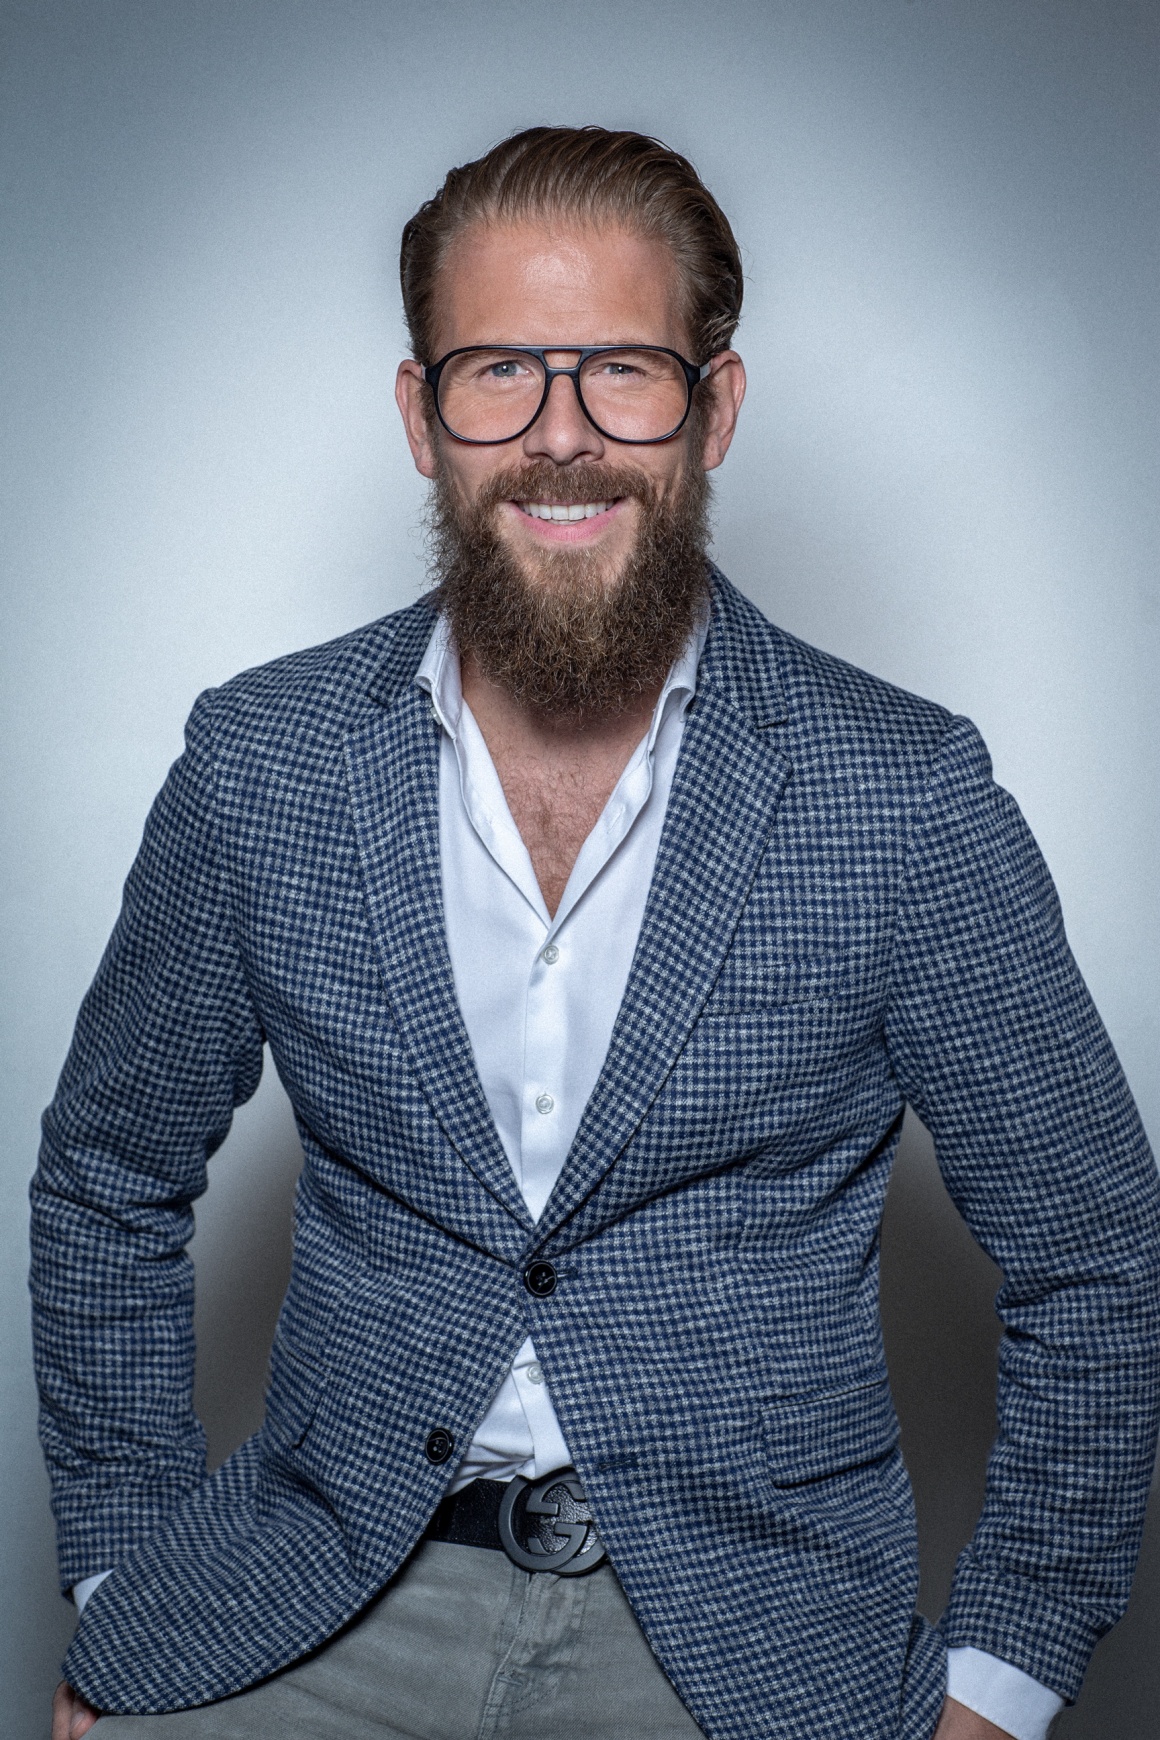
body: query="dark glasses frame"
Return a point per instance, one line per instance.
(693, 373)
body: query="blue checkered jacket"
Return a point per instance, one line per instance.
(846, 914)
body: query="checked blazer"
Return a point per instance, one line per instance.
(846, 914)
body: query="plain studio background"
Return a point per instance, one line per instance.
(946, 472)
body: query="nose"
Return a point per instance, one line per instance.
(561, 432)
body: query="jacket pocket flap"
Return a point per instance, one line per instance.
(808, 1437)
(753, 982)
(292, 1396)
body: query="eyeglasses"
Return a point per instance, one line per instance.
(487, 394)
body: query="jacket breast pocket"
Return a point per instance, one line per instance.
(750, 983)
(809, 1439)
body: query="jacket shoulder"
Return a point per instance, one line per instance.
(824, 701)
(820, 684)
(311, 697)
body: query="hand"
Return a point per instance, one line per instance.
(955, 1723)
(71, 1716)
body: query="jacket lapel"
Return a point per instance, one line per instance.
(393, 779)
(728, 782)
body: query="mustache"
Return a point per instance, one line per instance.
(569, 484)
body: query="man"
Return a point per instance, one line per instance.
(599, 932)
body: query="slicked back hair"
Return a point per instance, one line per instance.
(587, 175)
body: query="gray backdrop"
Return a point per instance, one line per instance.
(946, 472)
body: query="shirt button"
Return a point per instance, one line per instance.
(545, 1104)
(551, 954)
(535, 1373)
(439, 1446)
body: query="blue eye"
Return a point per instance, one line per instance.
(615, 370)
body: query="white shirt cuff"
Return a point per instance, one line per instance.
(1003, 1694)
(82, 1590)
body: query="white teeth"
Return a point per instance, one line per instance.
(544, 510)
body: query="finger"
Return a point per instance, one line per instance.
(84, 1717)
(62, 1711)
(72, 1716)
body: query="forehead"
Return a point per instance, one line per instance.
(544, 281)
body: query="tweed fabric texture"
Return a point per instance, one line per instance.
(846, 913)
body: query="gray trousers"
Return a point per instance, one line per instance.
(461, 1646)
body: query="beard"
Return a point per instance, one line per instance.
(561, 635)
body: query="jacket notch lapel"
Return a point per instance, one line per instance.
(729, 780)
(393, 781)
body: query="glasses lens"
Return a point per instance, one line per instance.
(635, 395)
(490, 395)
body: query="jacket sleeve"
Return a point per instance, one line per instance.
(167, 1044)
(996, 1043)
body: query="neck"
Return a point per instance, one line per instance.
(557, 773)
(548, 735)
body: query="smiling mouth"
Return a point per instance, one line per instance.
(564, 511)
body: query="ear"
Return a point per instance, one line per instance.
(413, 397)
(725, 386)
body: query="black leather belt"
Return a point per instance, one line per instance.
(542, 1525)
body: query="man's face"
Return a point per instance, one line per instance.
(576, 619)
(544, 283)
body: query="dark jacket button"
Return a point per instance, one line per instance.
(540, 1279)
(439, 1445)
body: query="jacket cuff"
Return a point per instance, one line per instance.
(1010, 1618)
(1005, 1695)
(99, 1527)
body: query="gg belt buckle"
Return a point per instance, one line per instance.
(546, 1525)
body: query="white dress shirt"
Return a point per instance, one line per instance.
(539, 997)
